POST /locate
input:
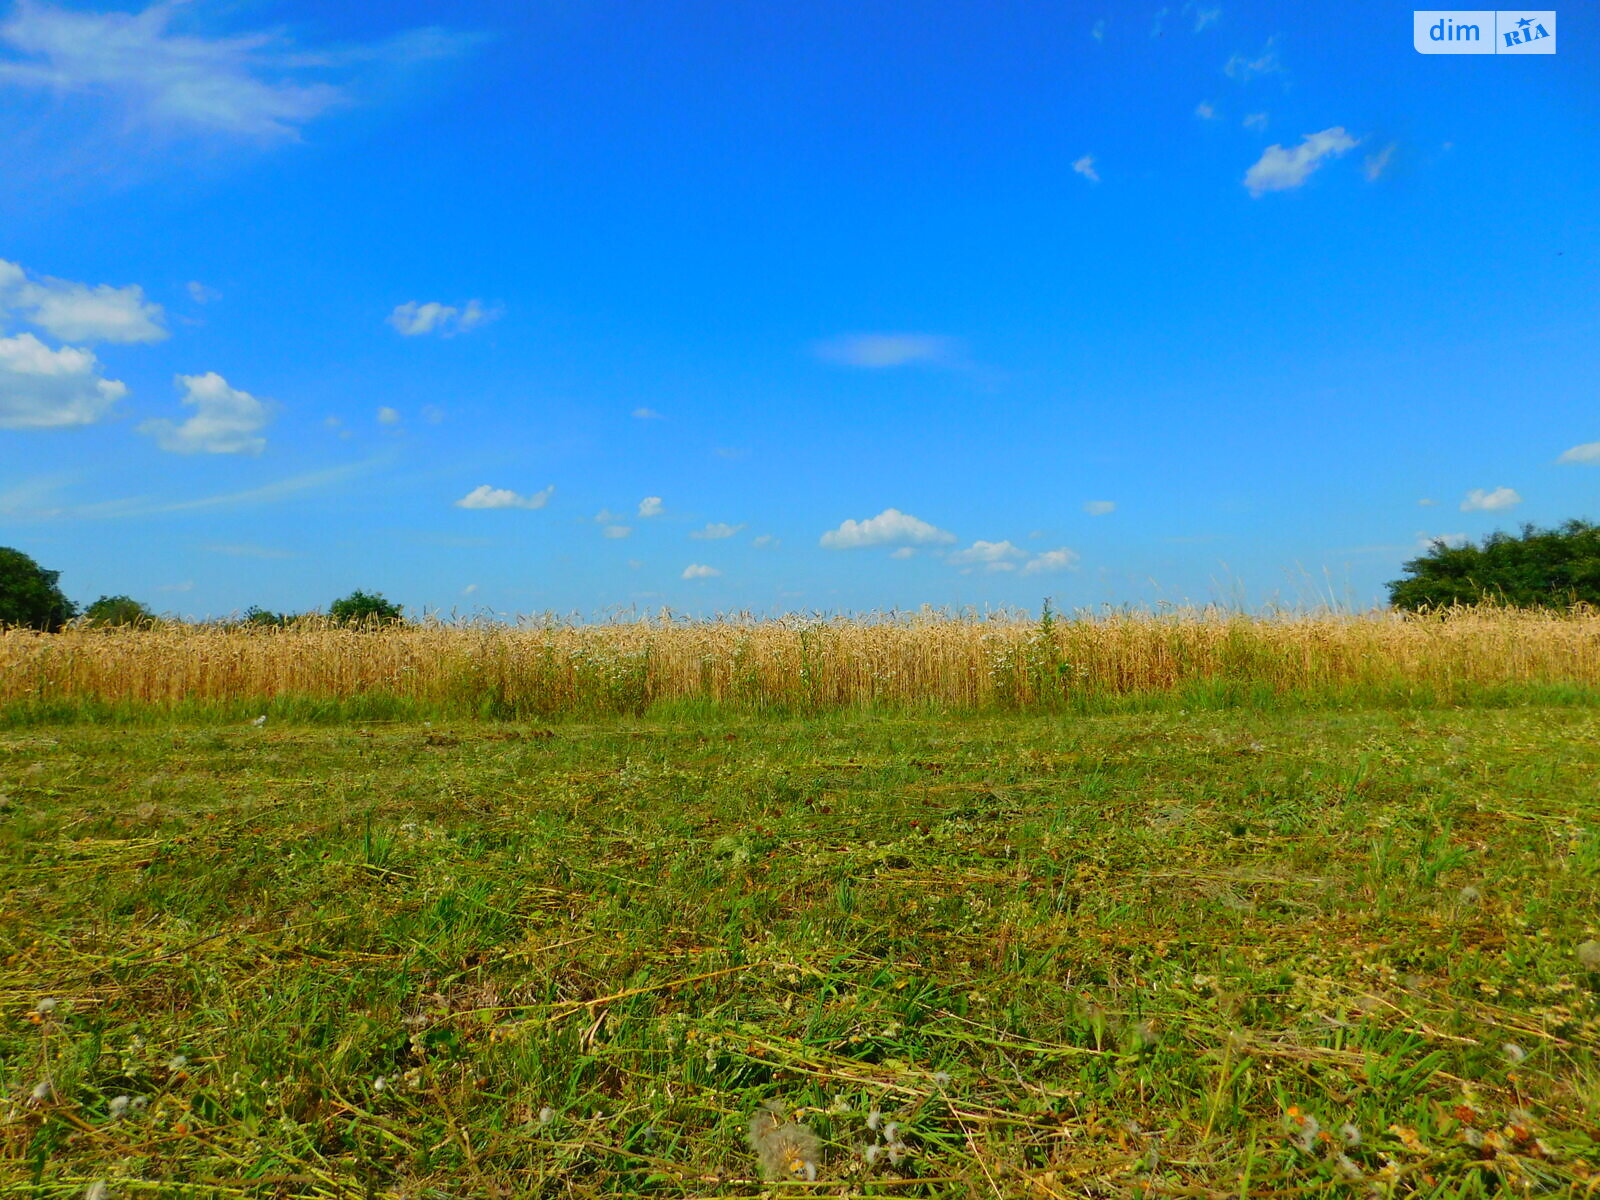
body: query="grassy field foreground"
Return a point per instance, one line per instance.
(1218, 954)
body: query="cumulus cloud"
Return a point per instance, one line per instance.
(700, 571)
(1244, 69)
(887, 528)
(252, 85)
(1085, 167)
(1100, 508)
(716, 530)
(1374, 164)
(41, 388)
(1061, 559)
(1205, 111)
(1479, 500)
(77, 312)
(1588, 452)
(993, 556)
(413, 319)
(650, 506)
(485, 496)
(877, 350)
(1279, 169)
(226, 420)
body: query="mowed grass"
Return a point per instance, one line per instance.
(1241, 953)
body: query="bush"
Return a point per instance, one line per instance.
(359, 608)
(29, 596)
(1541, 568)
(118, 610)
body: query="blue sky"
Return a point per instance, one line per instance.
(579, 306)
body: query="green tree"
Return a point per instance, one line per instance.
(360, 608)
(29, 596)
(1540, 568)
(256, 615)
(118, 610)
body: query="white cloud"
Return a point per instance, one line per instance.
(1373, 165)
(1255, 120)
(991, 553)
(1244, 69)
(1203, 16)
(716, 530)
(765, 540)
(648, 414)
(1427, 503)
(226, 420)
(903, 552)
(888, 527)
(1098, 33)
(469, 589)
(76, 312)
(1085, 167)
(201, 294)
(1589, 452)
(698, 571)
(1279, 169)
(1479, 500)
(1100, 508)
(41, 388)
(388, 416)
(413, 319)
(650, 506)
(616, 531)
(1425, 541)
(1204, 111)
(253, 85)
(1060, 559)
(888, 349)
(485, 496)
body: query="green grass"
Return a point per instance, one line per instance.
(1114, 954)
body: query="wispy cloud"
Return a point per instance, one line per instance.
(201, 294)
(995, 556)
(1205, 111)
(1588, 452)
(715, 531)
(41, 388)
(412, 319)
(226, 420)
(647, 414)
(878, 350)
(388, 416)
(1100, 508)
(1257, 120)
(1374, 164)
(1157, 25)
(1479, 500)
(1098, 33)
(254, 85)
(1278, 169)
(616, 532)
(1203, 16)
(77, 312)
(1085, 167)
(889, 527)
(485, 496)
(248, 550)
(1060, 559)
(1244, 69)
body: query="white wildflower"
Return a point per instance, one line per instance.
(47, 1005)
(118, 1107)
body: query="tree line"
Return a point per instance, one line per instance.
(1537, 568)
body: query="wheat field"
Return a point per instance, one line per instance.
(929, 659)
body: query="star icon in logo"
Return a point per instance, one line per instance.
(1525, 22)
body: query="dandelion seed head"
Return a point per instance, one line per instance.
(941, 1079)
(42, 1091)
(1514, 1053)
(874, 1120)
(891, 1133)
(118, 1107)
(1469, 895)
(177, 1062)
(47, 1005)
(1349, 1134)
(872, 1154)
(380, 1083)
(546, 1115)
